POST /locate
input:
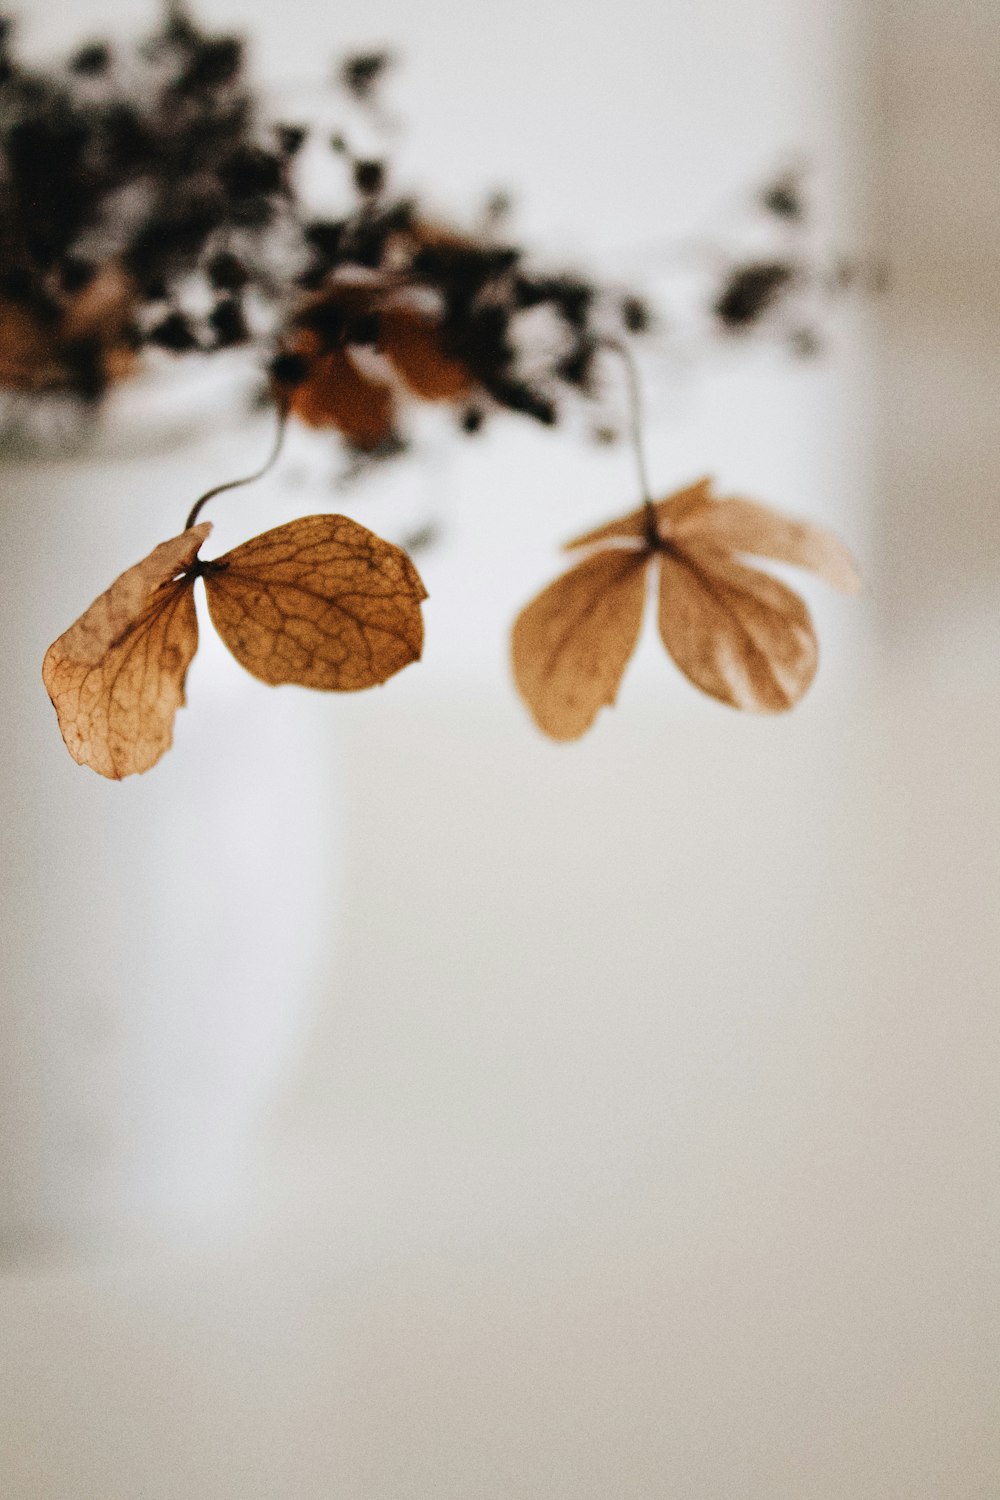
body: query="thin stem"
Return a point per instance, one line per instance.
(617, 346)
(235, 484)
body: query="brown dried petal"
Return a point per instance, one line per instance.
(745, 526)
(34, 353)
(322, 602)
(411, 340)
(571, 645)
(337, 393)
(102, 308)
(738, 634)
(442, 236)
(28, 355)
(116, 677)
(689, 501)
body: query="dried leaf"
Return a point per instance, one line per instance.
(736, 633)
(734, 525)
(411, 341)
(689, 501)
(322, 602)
(116, 677)
(338, 393)
(571, 645)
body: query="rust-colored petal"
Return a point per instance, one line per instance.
(411, 341)
(690, 500)
(437, 236)
(338, 393)
(736, 633)
(116, 677)
(34, 353)
(28, 352)
(102, 308)
(735, 525)
(571, 645)
(322, 602)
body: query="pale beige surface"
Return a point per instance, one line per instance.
(680, 1180)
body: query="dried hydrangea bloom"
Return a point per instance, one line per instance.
(321, 602)
(737, 633)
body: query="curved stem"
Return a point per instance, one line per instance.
(617, 346)
(235, 484)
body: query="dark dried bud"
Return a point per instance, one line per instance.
(226, 272)
(577, 367)
(784, 200)
(636, 315)
(369, 177)
(75, 274)
(312, 278)
(326, 237)
(498, 206)
(289, 369)
(368, 242)
(462, 270)
(92, 60)
(360, 74)
(174, 333)
(85, 360)
(291, 138)
(213, 64)
(400, 215)
(479, 337)
(253, 213)
(250, 171)
(573, 298)
(17, 285)
(518, 395)
(228, 323)
(751, 291)
(127, 141)
(363, 330)
(327, 322)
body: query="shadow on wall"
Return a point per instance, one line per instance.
(937, 210)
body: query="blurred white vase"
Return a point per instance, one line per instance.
(162, 938)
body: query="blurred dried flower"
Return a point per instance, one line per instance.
(322, 602)
(735, 632)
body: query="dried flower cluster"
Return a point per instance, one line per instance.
(123, 173)
(148, 201)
